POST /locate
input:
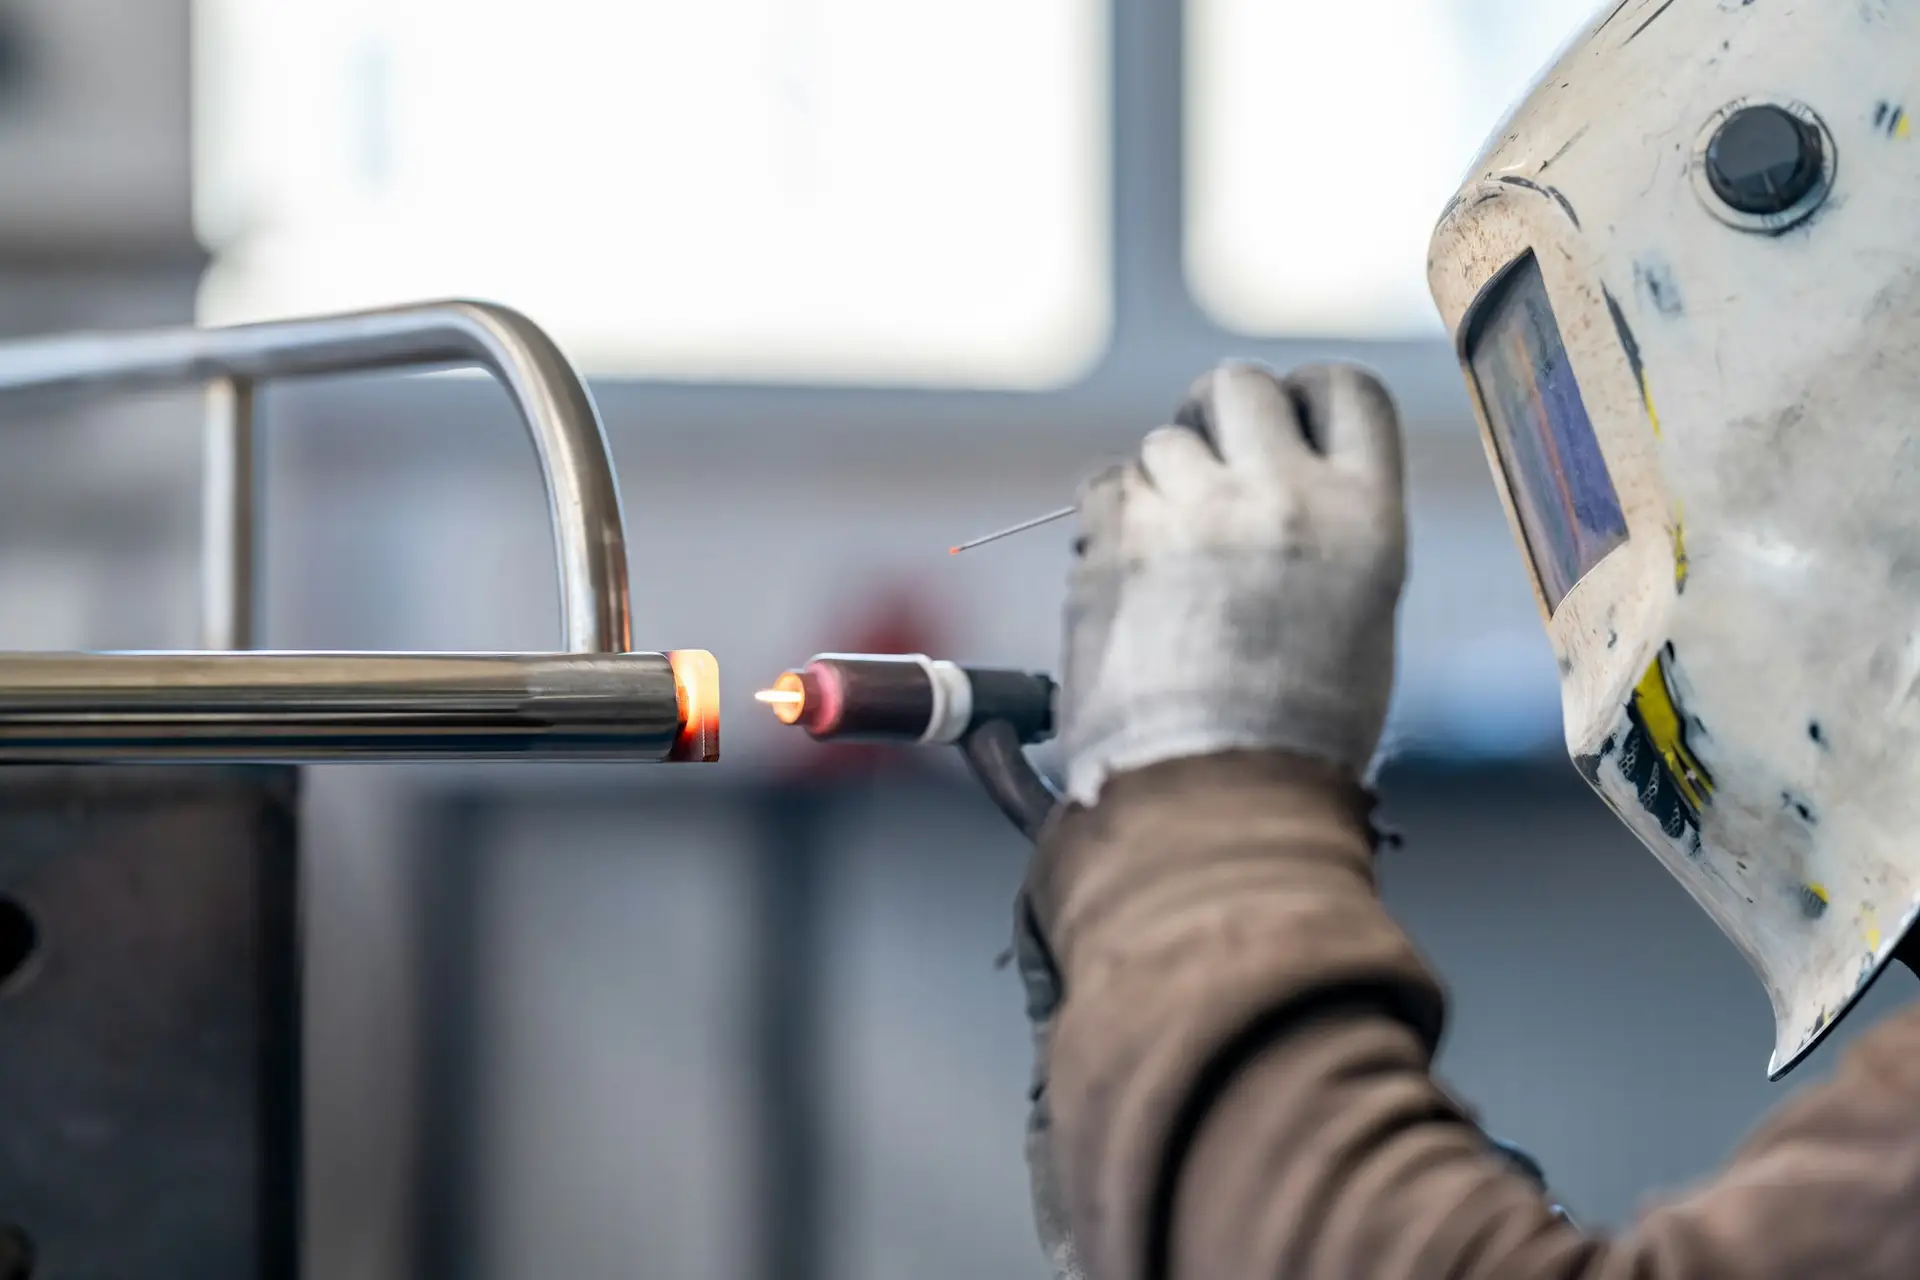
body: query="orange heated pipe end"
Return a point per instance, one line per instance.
(696, 681)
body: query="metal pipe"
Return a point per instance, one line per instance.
(228, 533)
(559, 413)
(302, 708)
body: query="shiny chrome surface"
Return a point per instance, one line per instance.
(302, 708)
(228, 534)
(595, 702)
(584, 502)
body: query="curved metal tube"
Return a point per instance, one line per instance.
(584, 502)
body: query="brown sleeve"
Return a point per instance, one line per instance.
(1240, 1076)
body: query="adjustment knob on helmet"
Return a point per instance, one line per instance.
(1764, 160)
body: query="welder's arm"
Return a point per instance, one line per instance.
(1240, 1075)
(1239, 1038)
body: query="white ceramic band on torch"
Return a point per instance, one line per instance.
(952, 699)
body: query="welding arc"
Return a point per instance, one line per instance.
(1022, 527)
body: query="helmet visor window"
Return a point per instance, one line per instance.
(1568, 509)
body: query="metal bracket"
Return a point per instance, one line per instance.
(150, 1018)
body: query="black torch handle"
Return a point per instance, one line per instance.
(990, 714)
(994, 754)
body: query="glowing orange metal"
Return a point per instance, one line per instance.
(696, 680)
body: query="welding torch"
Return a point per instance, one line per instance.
(990, 713)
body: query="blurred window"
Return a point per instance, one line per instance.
(1323, 139)
(795, 190)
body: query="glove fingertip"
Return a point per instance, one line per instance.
(1199, 412)
(1196, 411)
(1352, 416)
(1099, 493)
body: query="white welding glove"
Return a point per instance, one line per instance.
(1236, 584)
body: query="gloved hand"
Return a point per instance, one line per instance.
(1235, 587)
(1236, 584)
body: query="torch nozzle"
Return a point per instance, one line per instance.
(787, 697)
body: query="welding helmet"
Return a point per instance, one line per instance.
(1683, 281)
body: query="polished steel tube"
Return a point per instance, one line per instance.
(304, 708)
(229, 535)
(584, 503)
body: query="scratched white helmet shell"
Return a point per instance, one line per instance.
(1684, 282)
